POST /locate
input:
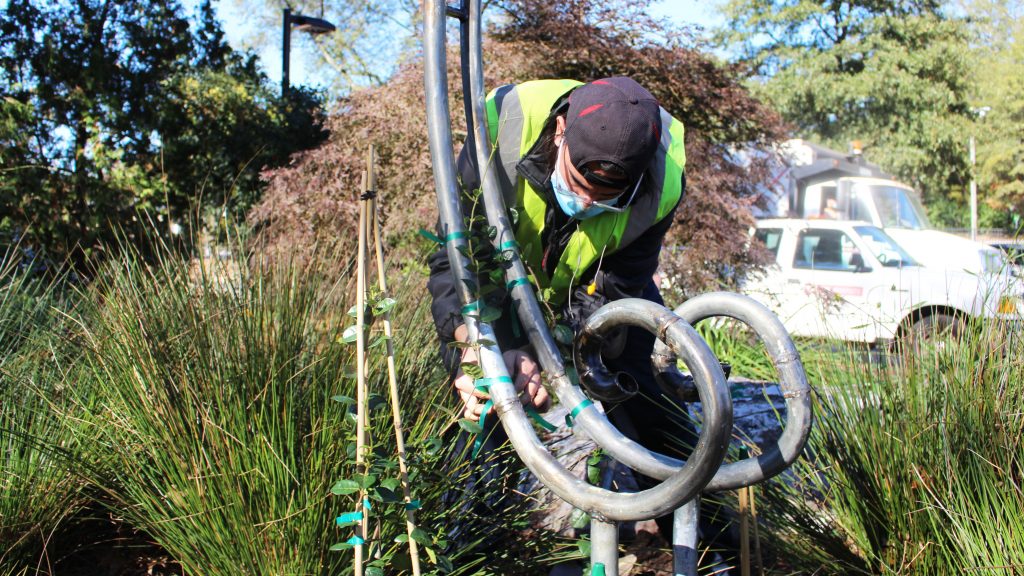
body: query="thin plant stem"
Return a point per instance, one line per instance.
(396, 412)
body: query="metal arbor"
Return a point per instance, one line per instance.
(682, 482)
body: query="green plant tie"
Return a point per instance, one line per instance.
(471, 307)
(485, 383)
(366, 504)
(355, 541)
(510, 245)
(570, 418)
(597, 570)
(536, 417)
(479, 442)
(349, 517)
(517, 282)
(437, 239)
(414, 505)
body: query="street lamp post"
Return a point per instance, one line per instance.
(306, 24)
(974, 184)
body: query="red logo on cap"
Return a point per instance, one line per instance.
(590, 109)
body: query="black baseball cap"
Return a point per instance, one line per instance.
(612, 120)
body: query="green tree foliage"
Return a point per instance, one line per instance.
(891, 74)
(998, 34)
(112, 109)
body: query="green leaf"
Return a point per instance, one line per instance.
(345, 487)
(470, 426)
(432, 555)
(343, 399)
(402, 538)
(584, 547)
(490, 314)
(386, 495)
(390, 483)
(579, 519)
(350, 335)
(421, 537)
(486, 342)
(383, 306)
(472, 370)
(340, 546)
(375, 401)
(514, 215)
(378, 341)
(460, 345)
(563, 334)
(492, 232)
(367, 481)
(374, 571)
(470, 284)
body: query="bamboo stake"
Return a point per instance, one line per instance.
(744, 532)
(396, 413)
(361, 376)
(758, 564)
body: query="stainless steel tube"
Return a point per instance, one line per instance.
(601, 504)
(590, 420)
(684, 538)
(604, 546)
(792, 381)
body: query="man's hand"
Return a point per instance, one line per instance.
(525, 374)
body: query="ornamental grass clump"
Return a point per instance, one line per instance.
(915, 462)
(217, 395)
(39, 493)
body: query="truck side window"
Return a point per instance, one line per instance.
(825, 250)
(770, 237)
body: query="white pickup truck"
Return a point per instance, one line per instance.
(851, 281)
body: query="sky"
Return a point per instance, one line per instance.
(241, 33)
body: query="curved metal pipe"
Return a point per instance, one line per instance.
(792, 381)
(602, 504)
(595, 377)
(590, 420)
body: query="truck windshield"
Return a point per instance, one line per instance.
(885, 249)
(897, 207)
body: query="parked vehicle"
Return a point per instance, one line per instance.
(1014, 252)
(815, 182)
(852, 281)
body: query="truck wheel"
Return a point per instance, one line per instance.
(932, 333)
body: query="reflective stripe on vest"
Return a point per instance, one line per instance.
(516, 116)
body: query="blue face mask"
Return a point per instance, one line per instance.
(570, 203)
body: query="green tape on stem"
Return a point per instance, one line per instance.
(366, 504)
(479, 442)
(597, 570)
(471, 307)
(570, 418)
(454, 236)
(510, 245)
(355, 541)
(517, 282)
(414, 505)
(486, 382)
(430, 236)
(349, 517)
(536, 417)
